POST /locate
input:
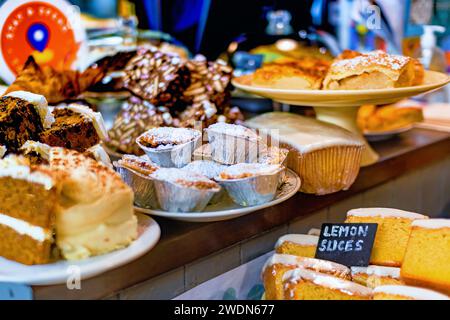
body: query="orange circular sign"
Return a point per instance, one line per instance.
(40, 29)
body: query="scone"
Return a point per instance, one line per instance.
(374, 70)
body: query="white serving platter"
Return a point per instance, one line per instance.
(63, 271)
(227, 209)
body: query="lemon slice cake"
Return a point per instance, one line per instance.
(427, 258)
(394, 227)
(393, 292)
(278, 264)
(303, 245)
(374, 276)
(303, 284)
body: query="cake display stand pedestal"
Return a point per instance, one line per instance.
(340, 107)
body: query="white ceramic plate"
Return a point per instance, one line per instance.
(58, 272)
(343, 98)
(227, 209)
(386, 135)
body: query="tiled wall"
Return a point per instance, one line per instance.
(425, 191)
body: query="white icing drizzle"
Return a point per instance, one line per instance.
(385, 212)
(378, 271)
(16, 168)
(95, 117)
(320, 279)
(40, 104)
(412, 292)
(432, 223)
(300, 239)
(309, 263)
(302, 133)
(22, 227)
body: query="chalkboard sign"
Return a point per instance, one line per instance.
(349, 244)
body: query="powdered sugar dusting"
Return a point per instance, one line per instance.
(249, 169)
(233, 130)
(167, 137)
(209, 169)
(180, 176)
(394, 62)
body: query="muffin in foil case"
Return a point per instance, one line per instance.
(229, 149)
(253, 190)
(176, 198)
(176, 156)
(275, 155)
(143, 187)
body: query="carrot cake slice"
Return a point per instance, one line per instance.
(23, 116)
(76, 127)
(28, 207)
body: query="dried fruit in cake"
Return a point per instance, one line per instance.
(278, 264)
(394, 227)
(76, 127)
(23, 116)
(29, 197)
(157, 77)
(302, 284)
(302, 245)
(427, 258)
(374, 70)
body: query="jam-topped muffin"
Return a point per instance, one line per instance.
(140, 164)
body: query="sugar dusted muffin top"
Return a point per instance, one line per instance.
(184, 178)
(233, 130)
(167, 137)
(246, 170)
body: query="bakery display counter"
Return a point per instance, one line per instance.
(185, 243)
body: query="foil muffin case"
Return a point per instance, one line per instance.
(253, 190)
(143, 187)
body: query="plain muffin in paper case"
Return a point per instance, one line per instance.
(326, 157)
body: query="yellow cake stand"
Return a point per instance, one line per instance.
(340, 107)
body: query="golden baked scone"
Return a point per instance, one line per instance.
(306, 73)
(377, 119)
(374, 70)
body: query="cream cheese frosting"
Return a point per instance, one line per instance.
(22, 227)
(301, 239)
(303, 133)
(385, 212)
(321, 279)
(432, 223)
(411, 292)
(99, 154)
(18, 168)
(40, 104)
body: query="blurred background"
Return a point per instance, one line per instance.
(210, 26)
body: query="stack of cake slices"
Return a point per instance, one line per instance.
(58, 203)
(26, 116)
